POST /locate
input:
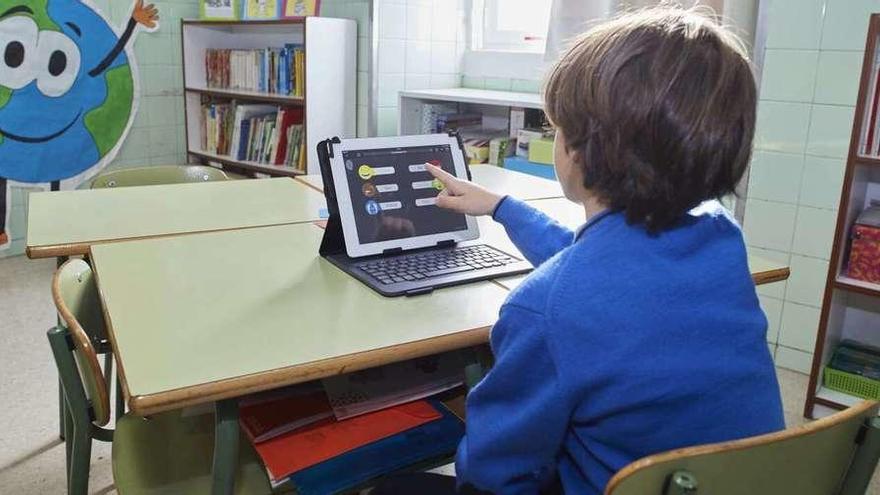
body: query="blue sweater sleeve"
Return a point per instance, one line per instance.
(518, 414)
(536, 235)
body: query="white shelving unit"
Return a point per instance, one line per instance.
(329, 99)
(490, 103)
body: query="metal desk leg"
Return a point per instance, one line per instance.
(226, 438)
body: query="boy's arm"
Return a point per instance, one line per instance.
(536, 235)
(517, 415)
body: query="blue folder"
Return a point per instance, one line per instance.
(428, 441)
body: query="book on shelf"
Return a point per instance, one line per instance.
(263, 134)
(329, 438)
(373, 389)
(267, 416)
(273, 70)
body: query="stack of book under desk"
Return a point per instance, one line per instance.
(344, 432)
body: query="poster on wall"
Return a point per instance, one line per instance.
(68, 92)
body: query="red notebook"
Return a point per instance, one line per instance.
(329, 438)
(265, 420)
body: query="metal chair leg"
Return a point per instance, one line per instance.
(226, 438)
(62, 412)
(81, 456)
(67, 425)
(108, 367)
(120, 399)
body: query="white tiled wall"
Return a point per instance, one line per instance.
(157, 135)
(420, 45)
(808, 93)
(360, 11)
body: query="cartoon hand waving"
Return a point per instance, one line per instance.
(145, 15)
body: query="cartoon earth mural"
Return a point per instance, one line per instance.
(67, 92)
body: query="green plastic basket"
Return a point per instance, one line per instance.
(851, 384)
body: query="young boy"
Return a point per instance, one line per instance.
(641, 331)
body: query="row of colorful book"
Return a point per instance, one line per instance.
(266, 70)
(257, 9)
(345, 431)
(264, 134)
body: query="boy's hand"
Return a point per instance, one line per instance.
(463, 196)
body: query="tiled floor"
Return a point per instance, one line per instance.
(31, 456)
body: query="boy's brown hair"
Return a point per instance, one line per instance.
(658, 108)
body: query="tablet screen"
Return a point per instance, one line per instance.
(393, 196)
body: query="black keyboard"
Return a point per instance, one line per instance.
(434, 263)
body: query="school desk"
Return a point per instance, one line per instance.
(501, 180)
(65, 223)
(214, 316)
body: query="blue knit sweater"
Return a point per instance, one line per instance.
(618, 345)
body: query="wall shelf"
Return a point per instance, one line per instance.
(845, 283)
(273, 170)
(286, 100)
(868, 160)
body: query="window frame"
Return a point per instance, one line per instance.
(486, 37)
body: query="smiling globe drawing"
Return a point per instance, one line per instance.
(66, 89)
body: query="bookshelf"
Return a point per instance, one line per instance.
(850, 307)
(328, 101)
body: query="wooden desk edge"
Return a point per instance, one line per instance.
(769, 276)
(309, 184)
(146, 405)
(111, 336)
(83, 248)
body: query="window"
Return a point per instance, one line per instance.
(510, 25)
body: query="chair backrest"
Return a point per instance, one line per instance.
(157, 175)
(76, 298)
(813, 459)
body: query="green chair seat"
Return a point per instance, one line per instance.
(171, 454)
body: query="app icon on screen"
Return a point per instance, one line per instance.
(365, 172)
(369, 189)
(372, 207)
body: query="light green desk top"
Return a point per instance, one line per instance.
(203, 317)
(500, 180)
(64, 223)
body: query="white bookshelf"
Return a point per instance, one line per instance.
(329, 99)
(493, 104)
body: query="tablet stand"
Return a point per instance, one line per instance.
(333, 241)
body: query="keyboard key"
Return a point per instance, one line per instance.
(447, 271)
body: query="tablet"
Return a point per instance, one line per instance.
(387, 197)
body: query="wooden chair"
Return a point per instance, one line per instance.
(835, 455)
(167, 453)
(157, 175)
